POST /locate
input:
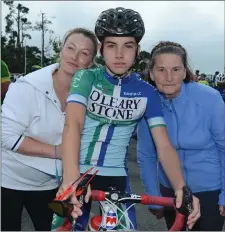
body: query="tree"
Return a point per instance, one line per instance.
(99, 60)
(17, 23)
(17, 26)
(33, 57)
(43, 26)
(141, 61)
(56, 46)
(144, 55)
(3, 41)
(26, 25)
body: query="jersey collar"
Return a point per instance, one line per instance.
(115, 81)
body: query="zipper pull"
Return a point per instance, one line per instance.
(170, 105)
(119, 82)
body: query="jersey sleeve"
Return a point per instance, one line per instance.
(81, 87)
(154, 113)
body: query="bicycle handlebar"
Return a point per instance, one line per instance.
(144, 199)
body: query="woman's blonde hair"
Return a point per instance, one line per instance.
(85, 32)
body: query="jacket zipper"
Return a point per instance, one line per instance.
(172, 108)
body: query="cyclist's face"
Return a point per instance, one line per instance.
(77, 53)
(168, 73)
(119, 53)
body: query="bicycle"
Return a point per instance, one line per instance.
(112, 217)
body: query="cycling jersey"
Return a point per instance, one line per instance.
(114, 106)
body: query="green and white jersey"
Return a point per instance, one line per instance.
(113, 108)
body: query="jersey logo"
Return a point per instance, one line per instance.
(77, 78)
(132, 94)
(115, 108)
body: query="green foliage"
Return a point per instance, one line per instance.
(56, 46)
(99, 60)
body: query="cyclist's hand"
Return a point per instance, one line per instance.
(88, 195)
(77, 205)
(222, 210)
(159, 213)
(179, 197)
(195, 214)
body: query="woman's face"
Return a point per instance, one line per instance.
(77, 53)
(168, 73)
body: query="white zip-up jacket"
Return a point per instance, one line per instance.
(31, 108)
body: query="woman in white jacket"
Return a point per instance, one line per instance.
(32, 126)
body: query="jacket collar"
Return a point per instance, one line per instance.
(179, 98)
(42, 79)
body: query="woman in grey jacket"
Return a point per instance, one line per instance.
(32, 126)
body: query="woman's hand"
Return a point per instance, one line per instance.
(222, 210)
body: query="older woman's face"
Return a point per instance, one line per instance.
(77, 53)
(168, 73)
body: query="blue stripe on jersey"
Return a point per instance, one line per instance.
(105, 145)
(77, 102)
(77, 98)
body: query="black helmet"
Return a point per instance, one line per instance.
(120, 22)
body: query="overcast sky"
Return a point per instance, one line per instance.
(197, 25)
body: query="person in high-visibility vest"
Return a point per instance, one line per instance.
(5, 80)
(203, 80)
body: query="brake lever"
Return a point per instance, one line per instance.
(82, 182)
(83, 185)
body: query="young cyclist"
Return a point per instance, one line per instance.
(102, 112)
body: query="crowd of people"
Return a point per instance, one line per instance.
(60, 120)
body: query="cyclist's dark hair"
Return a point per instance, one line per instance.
(174, 48)
(85, 32)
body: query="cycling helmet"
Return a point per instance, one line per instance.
(120, 22)
(220, 78)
